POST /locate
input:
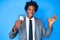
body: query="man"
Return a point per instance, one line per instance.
(31, 28)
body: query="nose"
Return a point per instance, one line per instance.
(32, 11)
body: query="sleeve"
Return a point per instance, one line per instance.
(13, 34)
(46, 32)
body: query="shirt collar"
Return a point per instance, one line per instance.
(28, 18)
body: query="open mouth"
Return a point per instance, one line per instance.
(30, 14)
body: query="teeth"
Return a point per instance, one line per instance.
(30, 14)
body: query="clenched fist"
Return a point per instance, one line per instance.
(17, 25)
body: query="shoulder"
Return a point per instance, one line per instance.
(38, 20)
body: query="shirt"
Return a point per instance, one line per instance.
(33, 27)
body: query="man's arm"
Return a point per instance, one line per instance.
(50, 23)
(47, 32)
(14, 31)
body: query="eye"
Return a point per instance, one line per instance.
(29, 8)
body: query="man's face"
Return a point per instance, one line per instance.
(30, 11)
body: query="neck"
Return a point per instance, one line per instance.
(30, 17)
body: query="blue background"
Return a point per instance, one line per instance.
(11, 9)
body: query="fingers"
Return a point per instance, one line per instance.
(18, 23)
(54, 17)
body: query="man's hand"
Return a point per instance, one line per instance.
(17, 25)
(51, 21)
